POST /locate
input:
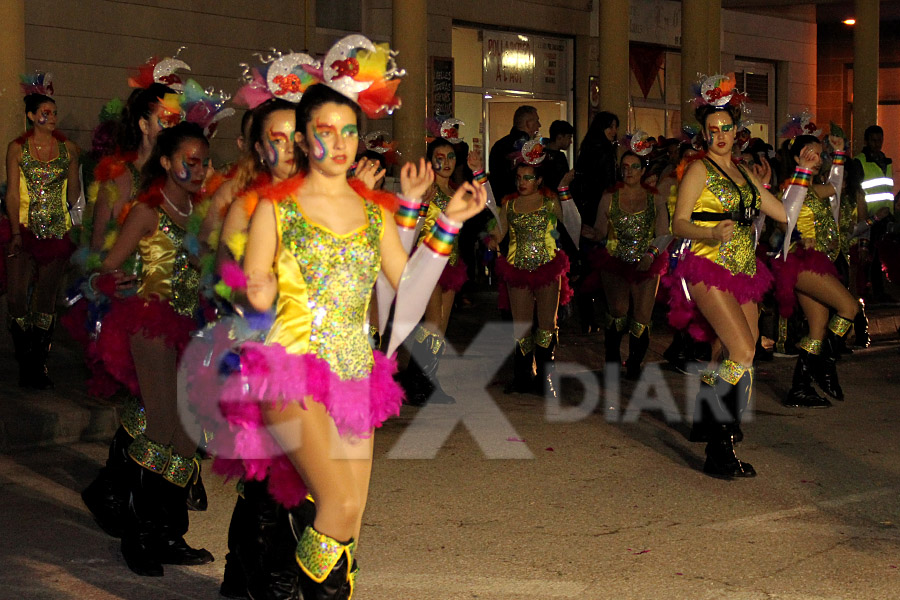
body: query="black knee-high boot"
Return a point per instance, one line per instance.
(41, 339)
(325, 565)
(523, 380)
(826, 376)
(107, 496)
(612, 339)
(705, 420)
(234, 579)
(20, 331)
(733, 390)
(638, 343)
(545, 342)
(802, 393)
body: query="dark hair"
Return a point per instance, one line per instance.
(558, 128)
(33, 101)
(634, 154)
(522, 112)
(260, 114)
(140, 105)
(872, 130)
(167, 143)
(314, 97)
(538, 168)
(245, 118)
(800, 142)
(602, 121)
(435, 144)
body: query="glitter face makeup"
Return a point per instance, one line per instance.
(334, 140)
(277, 144)
(190, 163)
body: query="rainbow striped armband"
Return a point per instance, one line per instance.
(564, 194)
(801, 177)
(442, 235)
(479, 176)
(840, 157)
(407, 212)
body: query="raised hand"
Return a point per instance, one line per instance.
(467, 201)
(567, 178)
(369, 172)
(475, 160)
(762, 171)
(807, 158)
(416, 180)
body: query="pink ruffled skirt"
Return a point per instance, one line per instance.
(684, 314)
(45, 251)
(786, 273)
(453, 277)
(229, 385)
(546, 274)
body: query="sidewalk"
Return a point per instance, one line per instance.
(67, 414)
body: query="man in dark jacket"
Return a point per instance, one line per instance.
(556, 163)
(526, 124)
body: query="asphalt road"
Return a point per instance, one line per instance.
(511, 498)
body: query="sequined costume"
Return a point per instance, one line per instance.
(533, 260)
(729, 266)
(43, 211)
(628, 239)
(317, 349)
(454, 275)
(166, 303)
(815, 223)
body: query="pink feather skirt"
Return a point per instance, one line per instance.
(548, 273)
(786, 273)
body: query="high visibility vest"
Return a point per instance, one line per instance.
(877, 185)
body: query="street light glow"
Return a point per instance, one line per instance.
(850, 21)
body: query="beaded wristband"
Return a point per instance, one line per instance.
(840, 157)
(479, 176)
(653, 251)
(564, 194)
(407, 212)
(442, 235)
(801, 177)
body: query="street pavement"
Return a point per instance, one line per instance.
(515, 497)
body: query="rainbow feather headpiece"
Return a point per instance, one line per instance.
(159, 70)
(436, 127)
(640, 143)
(800, 124)
(529, 152)
(38, 82)
(366, 73)
(203, 107)
(717, 90)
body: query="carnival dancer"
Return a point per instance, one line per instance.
(141, 340)
(317, 243)
(718, 204)
(806, 274)
(43, 183)
(534, 273)
(633, 222)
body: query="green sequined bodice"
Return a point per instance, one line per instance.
(631, 232)
(531, 241)
(46, 184)
(185, 276)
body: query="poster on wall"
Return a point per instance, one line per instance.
(441, 86)
(525, 63)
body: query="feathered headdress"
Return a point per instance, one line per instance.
(640, 143)
(800, 124)
(382, 143)
(159, 70)
(717, 90)
(283, 76)
(448, 129)
(38, 82)
(364, 72)
(203, 107)
(529, 152)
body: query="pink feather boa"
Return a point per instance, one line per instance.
(453, 277)
(154, 318)
(556, 269)
(684, 314)
(601, 261)
(230, 403)
(786, 273)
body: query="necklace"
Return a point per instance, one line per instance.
(37, 151)
(187, 214)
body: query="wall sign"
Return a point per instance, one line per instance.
(441, 86)
(525, 63)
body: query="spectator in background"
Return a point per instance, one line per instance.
(526, 124)
(556, 163)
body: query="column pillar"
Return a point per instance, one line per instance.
(713, 36)
(586, 52)
(12, 63)
(865, 69)
(701, 45)
(410, 41)
(614, 67)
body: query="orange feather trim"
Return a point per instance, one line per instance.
(280, 191)
(113, 166)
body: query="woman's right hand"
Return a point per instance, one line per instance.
(15, 246)
(467, 201)
(807, 158)
(723, 231)
(416, 181)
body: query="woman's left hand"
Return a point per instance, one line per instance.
(467, 201)
(415, 181)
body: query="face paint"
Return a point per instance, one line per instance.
(275, 141)
(184, 173)
(349, 130)
(325, 132)
(44, 117)
(318, 150)
(526, 177)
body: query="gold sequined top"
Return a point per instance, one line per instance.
(721, 195)
(816, 222)
(325, 281)
(166, 273)
(629, 234)
(532, 235)
(43, 207)
(435, 208)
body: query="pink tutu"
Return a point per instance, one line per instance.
(453, 277)
(602, 262)
(684, 314)
(786, 273)
(46, 250)
(229, 383)
(154, 318)
(546, 274)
